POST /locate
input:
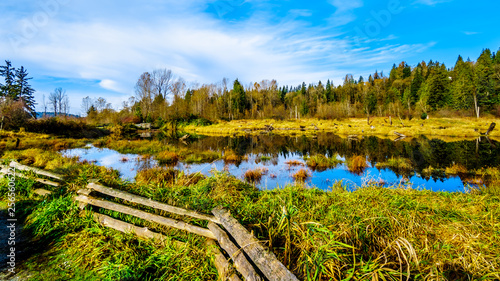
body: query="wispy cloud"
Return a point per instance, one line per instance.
(344, 13)
(431, 2)
(470, 33)
(106, 45)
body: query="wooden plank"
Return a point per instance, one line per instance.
(146, 216)
(43, 181)
(42, 192)
(223, 266)
(84, 191)
(150, 203)
(236, 254)
(125, 227)
(21, 167)
(265, 260)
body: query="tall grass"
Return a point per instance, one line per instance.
(321, 162)
(357, 164)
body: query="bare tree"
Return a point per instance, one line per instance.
(87, 102)
(65, 105)
(44, 104)
(144, 90)
(161, 79)
(100, 104)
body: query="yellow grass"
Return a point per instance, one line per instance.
(447, 127)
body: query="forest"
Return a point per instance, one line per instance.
(469, 88)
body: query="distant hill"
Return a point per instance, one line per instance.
(51, 114)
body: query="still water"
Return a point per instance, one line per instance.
(422, 152)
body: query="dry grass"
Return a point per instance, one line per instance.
(398, 164)
(456, 169)
(254, 176)
(357, 164)
(301, 175)
(232, 157)
(167, 157)
(452, 127)
(156, 176)
(293, 163)
(321, 162)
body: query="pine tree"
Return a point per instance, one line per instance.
(7, 89)
(239, 97)
(24, 91)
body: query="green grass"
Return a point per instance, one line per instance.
(370, 233)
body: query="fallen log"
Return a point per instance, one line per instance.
(125, 227)
(21, 167)
(146, 216)
(266, 261)
(150, 203)
(224, 269)
(236, 254)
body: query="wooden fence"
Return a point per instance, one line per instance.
(246, 253)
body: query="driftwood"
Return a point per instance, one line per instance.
(36, 170)
(263, 259)
(315, 127)
(146, 216)
(490, 129)
(150, 203)
(185, 137)
(125, 227)
(224, 269)
(237, 255)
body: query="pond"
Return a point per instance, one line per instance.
(271, 152)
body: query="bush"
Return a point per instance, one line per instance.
(423, 116)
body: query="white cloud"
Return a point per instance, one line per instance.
(111, 47)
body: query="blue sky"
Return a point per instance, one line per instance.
(100, 48)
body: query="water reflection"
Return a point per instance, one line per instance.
(271, 152)
(126, 164)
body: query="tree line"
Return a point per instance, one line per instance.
(469, 87)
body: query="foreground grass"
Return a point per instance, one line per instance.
(371, 233)
(451, 127)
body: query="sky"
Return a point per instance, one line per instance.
(100, 48)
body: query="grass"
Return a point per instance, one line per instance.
(357, 164)
(321, 162)
(451, 127)
(233, 158)
(255, 175)
(167, 157)
(370, 233)
(293, 163)
(397, 164)
(301, 175)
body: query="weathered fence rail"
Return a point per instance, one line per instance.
(246, 253)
